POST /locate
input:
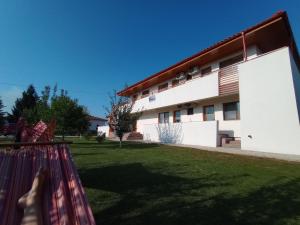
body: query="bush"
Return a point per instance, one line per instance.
(88, 136)
(100, 138)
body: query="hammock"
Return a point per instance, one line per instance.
(39, 132)
(64, 200)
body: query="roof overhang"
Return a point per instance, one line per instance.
(268, 35)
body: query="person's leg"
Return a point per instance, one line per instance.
(31, 202)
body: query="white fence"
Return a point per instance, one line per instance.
(190, 133)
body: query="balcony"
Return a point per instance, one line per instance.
(193, 90)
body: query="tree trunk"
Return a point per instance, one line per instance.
(120, 141)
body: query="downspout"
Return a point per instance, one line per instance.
(244, 47)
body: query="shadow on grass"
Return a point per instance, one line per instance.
(115, 145)
(155, 198)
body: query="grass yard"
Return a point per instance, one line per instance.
(161, 185)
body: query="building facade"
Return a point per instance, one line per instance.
(96, 122)
(243, 91)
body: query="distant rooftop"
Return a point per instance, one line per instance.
(96, 118)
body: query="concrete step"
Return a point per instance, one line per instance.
(233, 144)
(135, 136)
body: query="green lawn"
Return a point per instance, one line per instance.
(155, 184)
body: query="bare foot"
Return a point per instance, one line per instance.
(31, 201)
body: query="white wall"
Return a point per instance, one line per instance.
(268, 105)
(196, 89)
(94, 123)
(252, 52)
(149, 120)
(230, 127)
(103, 129)
(190, 133)
(296, 80)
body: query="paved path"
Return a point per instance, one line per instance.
(236, 151)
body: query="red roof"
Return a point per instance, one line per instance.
(279, 14)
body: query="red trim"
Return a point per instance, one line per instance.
(244, 46)
(218, 44)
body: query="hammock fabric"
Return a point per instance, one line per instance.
(39, 132)
(64, 200)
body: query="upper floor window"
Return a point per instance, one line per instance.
(190, 111)
(177, 116)
(134, 97)
(231, 61)
(231, 111)
(205, 71)
(145, 93)
(208, 113)
(163, 87)
(163, 117)
(175, 82)
(189, 77)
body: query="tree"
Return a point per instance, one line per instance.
(121, 118)
(28, 101)
(70, 116)
(2, 115)
(41, 110)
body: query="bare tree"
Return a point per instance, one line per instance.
(120, 116)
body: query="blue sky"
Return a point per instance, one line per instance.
(92, 47)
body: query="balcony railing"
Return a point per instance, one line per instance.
(193, 90)
(219, 83)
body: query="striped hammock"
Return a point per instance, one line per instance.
(64, 200)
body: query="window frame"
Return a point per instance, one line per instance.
(189, 77)
(175, 81)
(163, 87)
(237, 112)
(192, 110)
(134, 97)
(164, 117)
(174, 116)
(231, 61)
(205, 114)
(205, 71)
(145, 95)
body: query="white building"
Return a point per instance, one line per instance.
(244, 90)
(96, 122)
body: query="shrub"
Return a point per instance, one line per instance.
(88, 136)
(100, 138)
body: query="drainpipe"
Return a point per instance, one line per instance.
(244, 46)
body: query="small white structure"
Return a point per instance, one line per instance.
(96, 122)
(243, 91)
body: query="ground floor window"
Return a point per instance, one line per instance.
(190, 111)
(163, 117)
(177, 116)
(231, 111)
(208, 113)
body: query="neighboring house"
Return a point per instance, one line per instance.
(95, 122)
(243, 90)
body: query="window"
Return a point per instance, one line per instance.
(190, 111)
(231, 61)
(176, 116)
(145, 93)
(189, 77)
(208, 113)
(206, 70)
(163, 117)
(175, 83)
(162, 87)
(134, 97)
(231, 111)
